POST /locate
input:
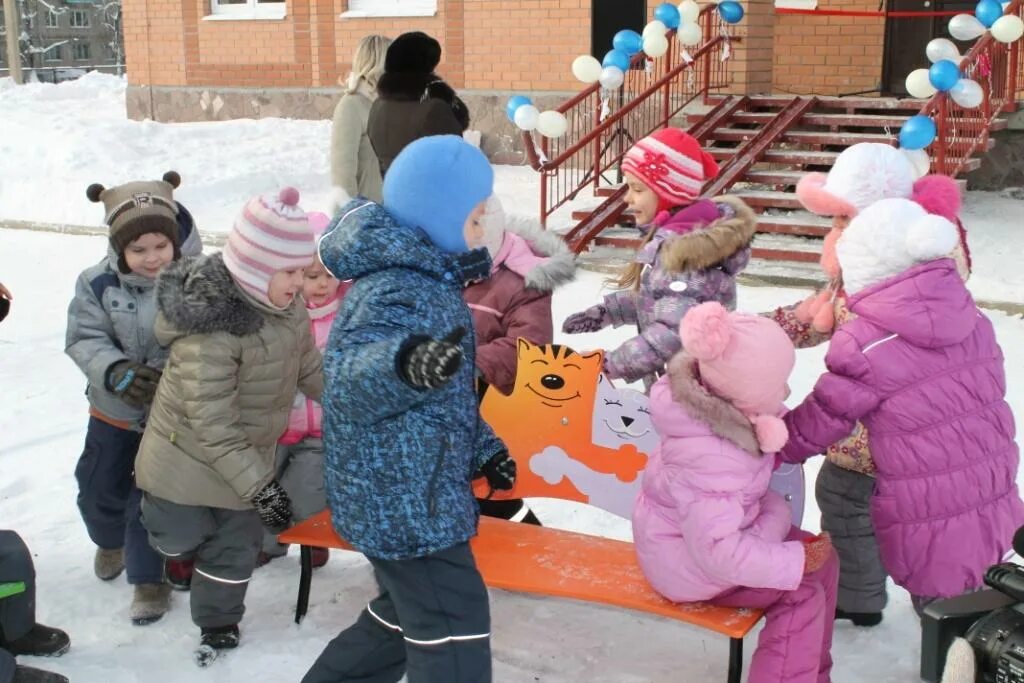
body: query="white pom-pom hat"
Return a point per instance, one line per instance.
(862, 174)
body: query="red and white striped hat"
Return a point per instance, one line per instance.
(672, 163)
(271, 234)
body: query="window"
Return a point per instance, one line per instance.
(52, 19)
(54, 54)
(81, 51)
(247, 9)
(79, 18)
(391, 8)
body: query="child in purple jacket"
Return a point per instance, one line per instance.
(693, 251)
(920, 367)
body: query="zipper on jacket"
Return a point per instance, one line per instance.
(432, 486)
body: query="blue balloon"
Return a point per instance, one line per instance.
(944, 75)
(514, 103)
(616, 58)
(667, 14)
(917, 133)
(988, 11)
(732, 12)
(628, 41)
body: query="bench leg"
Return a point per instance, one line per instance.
(305, 580)
(735, 660)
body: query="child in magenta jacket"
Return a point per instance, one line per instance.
(706, 525)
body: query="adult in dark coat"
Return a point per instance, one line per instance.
(412, 101)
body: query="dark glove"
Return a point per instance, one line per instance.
(133, 382)
(500, 472)
(274, 507)
(427, 363)
(593, 319)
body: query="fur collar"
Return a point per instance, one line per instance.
(718, 414)
(197, 295)
(408, 87)
(703, 248)
(559, 264)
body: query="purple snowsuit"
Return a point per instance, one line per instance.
(688, 262)
(921, 368)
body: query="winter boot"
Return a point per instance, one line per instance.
(40, 641)
(220, 637)
(28, 674)
(179, 574)
(109, 563)
(860, 618)
(150, 602)
(320, 557)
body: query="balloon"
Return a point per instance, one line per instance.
(587, 69)
(967, 93)
(988, 11)
(690, 34)
(616, 58)
(919, 85)
(628, 41)
(966, 27)
(689, 10)
(917, 133)
(1008, 29)
(944, 75)
(513, 105)
(920, 160)
(612, 77)
(526, 117)
(667, 14)
(731, 11)
(655, 46)
(943, 48)
(654, 28)
(552, 124)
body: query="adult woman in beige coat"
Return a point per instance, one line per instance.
(355, 170)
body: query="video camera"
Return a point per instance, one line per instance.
(991, 620)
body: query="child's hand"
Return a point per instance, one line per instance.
(429, 363)
(817, 551)
(500, 472)
(274, 507)
(593, 319)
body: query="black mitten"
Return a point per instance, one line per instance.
(428, 363)
(134, 382)
(500, 472)
(274, 507)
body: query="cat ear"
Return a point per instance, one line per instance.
(524, 346)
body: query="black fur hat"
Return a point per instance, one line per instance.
(413, 52)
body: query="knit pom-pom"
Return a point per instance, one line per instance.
(289, 196)
(94, 191)
(172, 178)
(931, 237)
(771, 433)
(706, 331)
(709, 166)
(939, 195)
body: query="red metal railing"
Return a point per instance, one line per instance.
(961, 133)
(603, 125)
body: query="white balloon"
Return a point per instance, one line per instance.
(942, 48)
(966, 27)
(920, 160)
(967, 93)
(1008, 28)
(612, 77)
(655, 46)
(690, 34)
(655, 28)
(526, 117)
(586, 68)
(552, 124)
(689, 10)
(919, 85)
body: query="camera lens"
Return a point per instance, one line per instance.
(998, 642)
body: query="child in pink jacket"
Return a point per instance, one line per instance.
(300, 451)
(706, 525)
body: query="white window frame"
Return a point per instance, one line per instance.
(251, 9)
(52, 19)
(358, 9)
(74, 52)
(76, 13)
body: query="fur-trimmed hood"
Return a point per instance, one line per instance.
(557, 264)
(197, 295)
(703, 248)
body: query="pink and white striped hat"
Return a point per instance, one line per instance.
(672, 163)
(271, 234)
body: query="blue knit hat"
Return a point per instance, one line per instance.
(434, 184)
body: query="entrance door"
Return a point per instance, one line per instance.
(608, 17)
(907, 38)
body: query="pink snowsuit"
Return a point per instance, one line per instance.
(707, 527)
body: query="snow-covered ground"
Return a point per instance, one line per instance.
(57, 140)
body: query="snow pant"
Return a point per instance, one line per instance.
(223, 544)
(796, 641)
(431, 621)
(844, 497)
(300, 470)
(109, 500)
(18, 611)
